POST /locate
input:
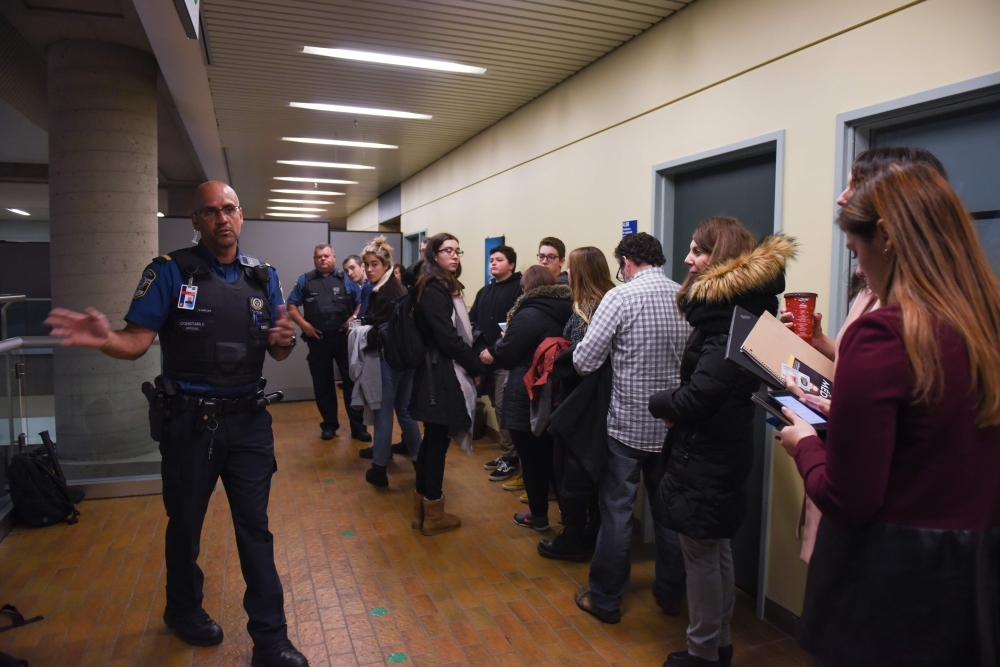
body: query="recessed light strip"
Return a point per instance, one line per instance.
(308, 192)
(327, 165)
(361, 111)
(387, 59)
(297, 208)
(304, 179)
(337, 142)
(292, 215)
(18, 211)
(300, 201)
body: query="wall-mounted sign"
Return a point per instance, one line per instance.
(492, 242)
(188, 11)
(630, 227)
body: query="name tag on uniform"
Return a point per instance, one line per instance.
(189, 294)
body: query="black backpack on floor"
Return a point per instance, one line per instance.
(38, 487)
(402, 346)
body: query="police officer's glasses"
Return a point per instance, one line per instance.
(209, 213)
(452, 252)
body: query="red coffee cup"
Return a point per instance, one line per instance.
(802, 305)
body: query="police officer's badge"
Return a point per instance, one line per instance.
(257, 303)
(148, 276)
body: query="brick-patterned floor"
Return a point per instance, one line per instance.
(479, 595)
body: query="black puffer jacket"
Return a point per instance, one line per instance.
(710, 448)
(537, 315)
(433, 315)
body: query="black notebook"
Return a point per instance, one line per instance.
(741, 326)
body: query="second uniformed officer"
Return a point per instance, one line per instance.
(218, 312)
(329, 306)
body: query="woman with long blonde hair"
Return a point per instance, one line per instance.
(590, 280)
(905, 566)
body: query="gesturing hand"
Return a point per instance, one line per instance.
(87, 329)
(282, 330)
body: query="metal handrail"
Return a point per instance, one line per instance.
(6, 347)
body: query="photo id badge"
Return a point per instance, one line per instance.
(189, 294)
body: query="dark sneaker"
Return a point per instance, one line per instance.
(328, 434)
(367, 453)
(195, 628)
(363, 436)
(685, 659)
(399, 448)
(528, 521)
(583, 601)
(492, 465)
(670, 607)
(563, 547)
(376, 476)
(726, 656)
(278, 654)
(504, 470)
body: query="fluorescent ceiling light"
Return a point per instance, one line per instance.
(303, 179)
(337, 142)
(159, 215)
(297, 208)
(328, 165)
(292, 215)
(299, 201)
(307, 192)
(361, 111)
(386, 59)
(18, 211)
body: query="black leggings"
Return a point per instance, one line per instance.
(535, 453)
(430, 461)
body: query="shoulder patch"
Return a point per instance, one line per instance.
(247, 260)
(162, 259)
(148, 276)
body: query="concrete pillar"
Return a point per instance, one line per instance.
(103, 199)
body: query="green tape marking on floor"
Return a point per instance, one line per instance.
(348, 533)
(379, 611)
(328, 480)
(397, 657)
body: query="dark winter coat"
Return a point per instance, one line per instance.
(579, 425)
(710, 447)
(380, 307)
(537, 315)
(491, 306)
(433, 314)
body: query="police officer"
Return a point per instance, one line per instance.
(330, 303)
(217, 312)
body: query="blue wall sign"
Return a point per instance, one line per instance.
(491, 243)
(630, 227)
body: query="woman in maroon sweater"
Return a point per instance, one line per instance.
(905, 566)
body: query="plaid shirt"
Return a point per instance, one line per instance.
(638, 323)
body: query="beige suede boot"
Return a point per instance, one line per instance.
(418, 511)
(436, 520)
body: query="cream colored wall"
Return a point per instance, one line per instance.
(365, 218)
(577, 161)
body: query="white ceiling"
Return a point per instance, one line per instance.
(257, 68)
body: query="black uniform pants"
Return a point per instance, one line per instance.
(243, 455)
(323, 353)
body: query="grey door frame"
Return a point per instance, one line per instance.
(417, 234)
(853, 135)
(662, 218)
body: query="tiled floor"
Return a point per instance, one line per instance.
(360, 586)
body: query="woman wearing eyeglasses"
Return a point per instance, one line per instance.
(444, 393)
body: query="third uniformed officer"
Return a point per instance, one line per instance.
(329, 306)
(218, 312)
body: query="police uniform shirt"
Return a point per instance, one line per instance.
(296, 297)
(159, 290)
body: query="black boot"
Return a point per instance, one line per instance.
(685, 659)
(362, 434)
(278, 654)
(376, 476)
(195, 628)
(399, 448)
(567, 545)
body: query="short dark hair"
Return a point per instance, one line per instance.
(641, 248)
(877, 160)
(536, 276)
(357, 260)
(507, 252)
(553, 242)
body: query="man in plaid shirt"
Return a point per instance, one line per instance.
(639, 325)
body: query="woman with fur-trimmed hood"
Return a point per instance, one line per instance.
(709, 449)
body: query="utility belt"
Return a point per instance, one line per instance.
(164, 398)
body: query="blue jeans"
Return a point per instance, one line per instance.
(611, 565)
(396, 390)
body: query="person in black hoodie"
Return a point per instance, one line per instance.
(489, 310)
(540, 313)
(709, 448)
(441, 399)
